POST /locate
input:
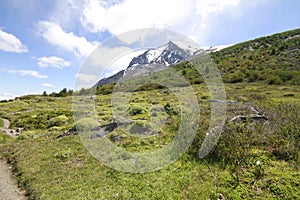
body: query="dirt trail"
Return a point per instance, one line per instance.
(8, 185)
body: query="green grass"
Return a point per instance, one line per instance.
(64, 169)
(71, 173)
(1, 122)
(5, 139)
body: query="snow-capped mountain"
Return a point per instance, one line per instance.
(167, 55)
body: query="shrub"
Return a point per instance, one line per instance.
(234, 78)
(105, 89)
(86, 124)
(274, 80)
(233, 146)
(136, 110)
(58, 121)
(284, 143)
(253, 76)
(170, 110)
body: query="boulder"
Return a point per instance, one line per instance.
(258, 118)
(239, 118)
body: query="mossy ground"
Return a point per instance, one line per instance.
(50, 168)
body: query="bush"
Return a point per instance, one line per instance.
(233, 146)
(60, 120)
(274, 80)
(170, 110)
(86, 124)
(253, 76)
(285, 75)
(234, 78)
(135, 110)
(104, 89)
(39, 120)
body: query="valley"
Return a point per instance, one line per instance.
(256, 157)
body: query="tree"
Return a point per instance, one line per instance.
(63, 93)
(273, 51)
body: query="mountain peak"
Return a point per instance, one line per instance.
(171, 43)
(171, 53)
(168, 54)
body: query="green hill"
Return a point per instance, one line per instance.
(274, 59)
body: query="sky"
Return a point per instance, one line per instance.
(44, 44)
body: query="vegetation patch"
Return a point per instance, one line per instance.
(256, 157)
(1, 122)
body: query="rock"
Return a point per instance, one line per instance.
(116, 138)
(220, 197)
(222, 101)
(258, 118)
(103, 130)
(254, 110)
(19, 130)
(251, 117)
(107, 127)
(239, 118)
(110, 127)
(232, 101)
(67, 133)
(96, 135)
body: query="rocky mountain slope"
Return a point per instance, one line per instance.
(167, 55)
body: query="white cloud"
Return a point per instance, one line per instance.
(55, 35)
(196, 19)
(85, 80)
(65, 12)
(205, 7)
(26, 73)
(128, 15)
(7, 96)
(52, 61)
(10, 43)
(48, 85)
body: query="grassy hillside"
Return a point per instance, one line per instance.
(274, 59)
(252, 159)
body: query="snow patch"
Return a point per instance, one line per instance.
(153, 54)
(187, 46)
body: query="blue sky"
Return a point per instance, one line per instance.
(43, 44)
